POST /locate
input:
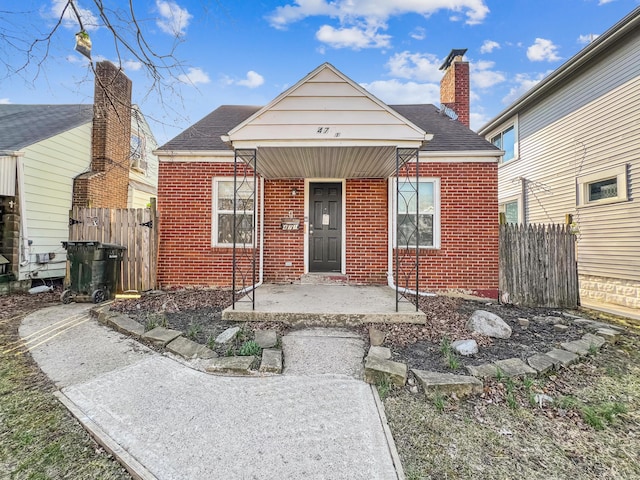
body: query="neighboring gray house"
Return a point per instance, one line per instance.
(572, 147)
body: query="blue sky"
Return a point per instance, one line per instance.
(248, 52)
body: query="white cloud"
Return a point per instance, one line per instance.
(174, 19)
(131, 65)
(415, 66)
(524, 83)
(194, 76)
(489, 46)
(604, 2)
(4, 101)
(477, 120)
(253, 80)
(373, 14)
(75, 59)
(543, 50)
(69, 20)
(353, 37)
(482, 76)
(586, 39)
(418, 34)
(395, 92)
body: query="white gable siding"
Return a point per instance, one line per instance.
(49, 169)
(590, 125)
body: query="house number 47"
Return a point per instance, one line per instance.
(325, 130)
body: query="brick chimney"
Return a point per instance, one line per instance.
(454, 86)
(106, 185)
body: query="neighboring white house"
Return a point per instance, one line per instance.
(43, 148)
(572, 147)
(143, 175)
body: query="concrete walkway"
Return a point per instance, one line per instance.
(168, 421)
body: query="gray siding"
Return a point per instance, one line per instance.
(589, 125)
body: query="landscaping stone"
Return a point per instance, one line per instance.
(465, 347)
(514, 367)
(548, 319)
(271, 361)
(611, 336)
(541, 363)
(383, 353)
(161, 336)
(486, 370)
(378, 370)
(376, 337)
(228, 335)
(266, 338)
(523, 322)
(231, 365)
(125, 324)
(579, 347)
(489, 324)
(189, 349)
(541, 399)
(560, 328)
(594, 340)
(583, 322)
(563, 357)
(448, 383)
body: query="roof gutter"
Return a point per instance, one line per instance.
(623, 27)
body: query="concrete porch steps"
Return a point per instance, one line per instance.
(328, 278)
(324, 305)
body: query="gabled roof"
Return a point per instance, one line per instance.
(204, 135)
(24, 125)
(566, 71)
(449, 135)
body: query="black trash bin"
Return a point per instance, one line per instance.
(94, 270)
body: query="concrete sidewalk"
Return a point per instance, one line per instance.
(169, 421)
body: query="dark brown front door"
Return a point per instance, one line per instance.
(325, 227)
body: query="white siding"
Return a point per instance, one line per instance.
(140, 198)
(49, 169)
(590, 125)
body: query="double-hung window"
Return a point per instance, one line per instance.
(222, 221)
(506, 140)
(417, 213)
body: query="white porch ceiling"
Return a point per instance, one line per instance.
(326, 162)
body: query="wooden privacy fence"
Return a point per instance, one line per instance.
(538, 266)
(134, 228)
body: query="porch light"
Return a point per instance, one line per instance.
(294, 191)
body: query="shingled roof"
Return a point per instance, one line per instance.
(24, 125)
(449, 135)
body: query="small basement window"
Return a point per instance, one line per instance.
(607, 186)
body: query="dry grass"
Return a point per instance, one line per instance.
(592, 431)
(39, 439)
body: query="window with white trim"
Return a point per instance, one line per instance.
(426, 208)
(511, 209)
(222, 221)
(600, 188)
(506, 140)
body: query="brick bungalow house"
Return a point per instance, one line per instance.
(322, 178)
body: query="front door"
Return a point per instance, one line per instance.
(325, 227)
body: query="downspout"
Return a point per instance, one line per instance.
(24, 251)
(390, 281)
(261, 269)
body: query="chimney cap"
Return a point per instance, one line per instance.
(456, 52)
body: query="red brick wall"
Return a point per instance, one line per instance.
(467, 259)
(367, 225)
(186, 254)
(454, 90)
(283, 246)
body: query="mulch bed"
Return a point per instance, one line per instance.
(197, 313)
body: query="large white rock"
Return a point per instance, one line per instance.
(465, 347)
(489, 324)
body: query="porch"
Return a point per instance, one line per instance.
(326, 305)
